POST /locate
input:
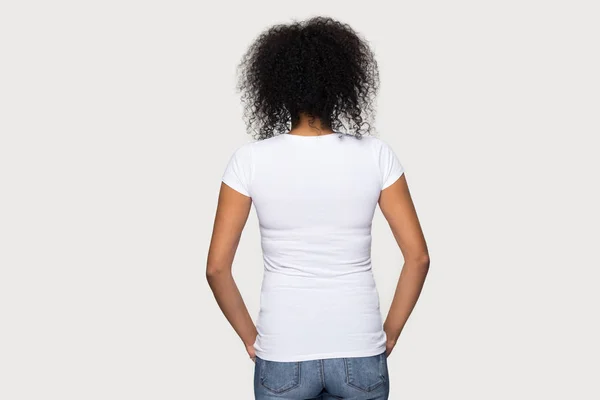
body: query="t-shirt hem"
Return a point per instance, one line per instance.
(321, 356)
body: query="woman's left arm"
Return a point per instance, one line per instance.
(232, 213)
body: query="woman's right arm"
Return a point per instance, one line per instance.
(398, 209)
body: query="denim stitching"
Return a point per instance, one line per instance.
(286, 389)
(382, 366)
(322, 373)
(348, 364)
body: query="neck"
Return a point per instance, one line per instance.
(306, 126)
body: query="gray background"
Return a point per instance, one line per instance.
(117, 119)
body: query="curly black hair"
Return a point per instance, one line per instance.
(319, 67)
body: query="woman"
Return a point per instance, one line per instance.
(319, 332)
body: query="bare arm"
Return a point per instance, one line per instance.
(397, 207)
(232, 213)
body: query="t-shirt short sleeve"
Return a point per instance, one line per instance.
(238, 172)
(389, 165)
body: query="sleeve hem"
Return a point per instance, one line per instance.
(235, 187)
(392, 179)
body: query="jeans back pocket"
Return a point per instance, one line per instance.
(366, 373)
(278, 376)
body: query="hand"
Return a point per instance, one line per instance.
(389, 346)
(251, 352)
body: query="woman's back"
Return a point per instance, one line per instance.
(315, 175)
(315, 197)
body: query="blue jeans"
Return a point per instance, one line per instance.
(354, 378)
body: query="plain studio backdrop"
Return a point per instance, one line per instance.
(117, 119)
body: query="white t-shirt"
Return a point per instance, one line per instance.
(315, 198)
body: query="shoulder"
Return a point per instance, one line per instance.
(382, 148)
(390, 166)
(243, 152)
(257, 148)
(376, 142)
(378, 146)
(245, 147)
